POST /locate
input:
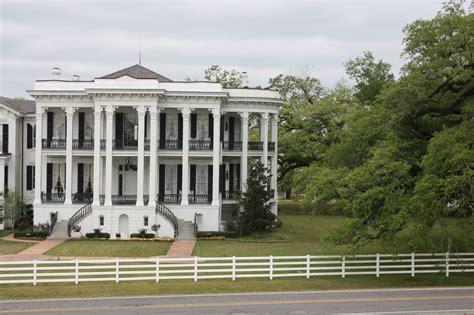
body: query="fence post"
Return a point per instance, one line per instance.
(34, 271)
(308, 266)
(377, 266)
(195, 269)
(343, 266)
(77, 272)
(271, 268)
(117, 270)
(157, 263)
(447, 264)
(412, 264)
(233, 268)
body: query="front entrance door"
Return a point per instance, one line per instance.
(123, 225)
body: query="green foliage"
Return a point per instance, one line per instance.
(15, 209)
(256, 216)
(228, 78)
(98, 235)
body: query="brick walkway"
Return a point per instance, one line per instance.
(34, 252)
(181, 249)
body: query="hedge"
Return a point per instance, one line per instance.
(100, 235)
(226, 234)
(146, 235)
(36, 234)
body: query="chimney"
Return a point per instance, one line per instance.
(76, 77)
(244, 77)
(56, 73)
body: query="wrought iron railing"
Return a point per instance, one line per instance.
(168, 215)
(170, 144)
(50, 197)
(232, 146)
(103, 144)
(78, 216)
(231, 195)
(195, 144)
(199, 198)
(147, 144)
(271, 146)
(169, 198)
(125, 144)
(82, 197)
(124, 199)
(255, 145)
(82, 144)
(54, 143)
(54, 219)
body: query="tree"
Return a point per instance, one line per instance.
(228, 78)
(13, 205)
(256, 216)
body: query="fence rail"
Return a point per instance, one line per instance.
(198, 268)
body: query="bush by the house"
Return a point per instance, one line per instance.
(142, 235)
(98, 235)
(31, 234)
(209, 234)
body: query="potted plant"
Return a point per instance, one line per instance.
(155, 228)
(76, 231)
(142, 231)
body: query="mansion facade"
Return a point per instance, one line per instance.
(133, 148)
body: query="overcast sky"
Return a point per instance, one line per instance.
(182, 38)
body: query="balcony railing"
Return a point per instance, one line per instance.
(147, 144)
(54, 143)
(103, 144)
(53, 197)
(232, 146)
(125, 144)
(271, 146)
(170, 144)
(199, 198)
(234, 195)
(255, 145)
(83, 144)
(169, 198)
(124, 199)
(82, 197)
(200, 144)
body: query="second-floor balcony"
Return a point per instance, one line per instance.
(170, 144)
(232, 146)
(54, 144)
(81, 144)
(195, 144)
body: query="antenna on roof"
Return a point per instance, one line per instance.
(140, 53)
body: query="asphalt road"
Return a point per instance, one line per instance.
(399, 301)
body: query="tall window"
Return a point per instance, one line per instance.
(145, 221)
(29, 136)
(101, 220)
(30, 177)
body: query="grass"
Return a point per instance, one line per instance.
(102, 248)
(5, 232)
(304, 234)
(11, 247)
(106, 289)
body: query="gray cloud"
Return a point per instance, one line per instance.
(182, 38)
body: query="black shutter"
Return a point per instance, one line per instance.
(146, 124)
(192, 179)
(29, 177)
(82, 121)
(50, 126)
(5, 139)
(49, 178)
(118, 130)
(231, 133)
(231, 178)
(5, 178)
(29, 136)
(80, 177)
(238, 176)
(211, 127)
(222, 179)
(222, 128)
(209, 180)
(161, 183)
(180, 131)
(65, 127)
(162, 130)
(193, 125)
(180, 178)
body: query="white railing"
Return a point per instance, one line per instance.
(198, 268)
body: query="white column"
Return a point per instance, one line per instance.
(108, 155)
(264, 130)
(38, 165)
(141, 111)
(97, 129)
(185, 176)
(153, 155)
(215, 156)
(245, 151)
(68, 189)
(274, 134)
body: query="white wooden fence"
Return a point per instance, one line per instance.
(157, 269)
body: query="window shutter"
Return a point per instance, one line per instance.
(29, 177)
(50, 126)
(180, 130)
(161, 183)
(193, 125)
(162, 130)
(209, 180)
(80, 177)
(82, 121)
(5, 139)
(29, 136)
(49, 177)
(231, 178)
(192, 179)
(231, 133)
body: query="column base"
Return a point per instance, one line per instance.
(184, 202)
(68, 202)
(215, 203)
(108, 203)
(139, 204)
(36, 202)
(152, 204)
(96, 203)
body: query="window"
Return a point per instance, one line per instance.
(30, 177)
(29, 136)
(101, 220)
(145, 221)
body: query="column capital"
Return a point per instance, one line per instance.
(215, 112)
(275, 118)
(69, 111)
(264, 117)
(153, 110)
(141, 110)
(109, 110)
(244, 115)
(98, 110)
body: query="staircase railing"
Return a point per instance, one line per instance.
(78, 216)
(169, 215)
(54, 219)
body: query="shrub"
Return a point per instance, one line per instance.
(98, 235)
(142, 235)
(226, 234)
(32, 234)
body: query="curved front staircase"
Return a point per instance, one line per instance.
(166, 213)
(80, 215)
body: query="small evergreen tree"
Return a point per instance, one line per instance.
(256, 216)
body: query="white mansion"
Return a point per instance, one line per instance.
(134, 148)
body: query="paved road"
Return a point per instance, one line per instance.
(408, 301)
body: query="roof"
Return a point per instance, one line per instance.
(22, 106)
(137, 72)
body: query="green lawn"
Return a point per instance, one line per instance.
(5, 232)
(303, 234)
(105, 289)
(11, 247)
(102, 248)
